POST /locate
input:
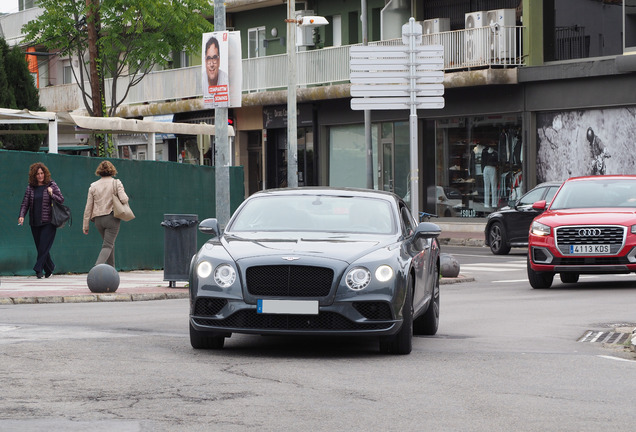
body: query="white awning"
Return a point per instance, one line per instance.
(111, 125)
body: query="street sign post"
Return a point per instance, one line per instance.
(408, 76)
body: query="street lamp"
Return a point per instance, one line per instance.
(292, 129)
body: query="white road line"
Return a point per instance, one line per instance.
(616, 358)
(510, 280)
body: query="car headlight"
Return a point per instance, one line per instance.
(224, 275)
(358, 278)
(539, 229)
(384, 273)
(633, 230)
(204, 269)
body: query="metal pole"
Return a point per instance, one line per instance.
(368, 145)
(292, 130)
(221, 143)
(415, 186)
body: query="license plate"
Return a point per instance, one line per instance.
(589, 249)
(301, 307)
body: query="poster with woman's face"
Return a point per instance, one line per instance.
(585, 142)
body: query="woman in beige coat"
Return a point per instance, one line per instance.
(99, 209)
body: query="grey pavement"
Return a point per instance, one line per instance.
(145, 285)
(139, 285)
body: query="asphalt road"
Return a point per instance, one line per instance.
(506, 358)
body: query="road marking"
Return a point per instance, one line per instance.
(616, 358)
(489, 267)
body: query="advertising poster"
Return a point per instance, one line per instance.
(221, 69)
(585, 142)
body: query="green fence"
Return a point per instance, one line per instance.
(154, 188)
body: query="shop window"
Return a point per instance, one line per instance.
(479, 164)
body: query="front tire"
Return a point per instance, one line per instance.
(497, 239)
(428, 323)
(539, 280)
(204, 340)
(402, 341)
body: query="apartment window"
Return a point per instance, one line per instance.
(67, 77)
(255, 38)
(337, 30)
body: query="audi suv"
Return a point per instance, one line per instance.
(588, 228)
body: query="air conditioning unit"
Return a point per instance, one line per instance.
(435, 25)
(474, 38)
(502, 36)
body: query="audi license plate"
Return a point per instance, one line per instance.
(589, 249)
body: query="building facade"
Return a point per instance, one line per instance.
(534, 91)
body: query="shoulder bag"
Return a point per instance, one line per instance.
(60, 214)
(121, 211)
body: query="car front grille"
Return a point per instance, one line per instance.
(614, 236)
(251, 320)
(289, 281)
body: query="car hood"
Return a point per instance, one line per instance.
(605, 216)
(340, 247)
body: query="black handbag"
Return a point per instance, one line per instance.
(60, 214)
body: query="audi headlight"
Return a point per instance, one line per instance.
(358, 278)
(204, 269)
(224, 275)
(633, 230)
(539, 229)
(384, 273)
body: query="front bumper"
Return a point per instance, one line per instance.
(351, 318)
(546, 257)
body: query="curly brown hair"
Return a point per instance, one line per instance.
(33, 174)
(105, 169)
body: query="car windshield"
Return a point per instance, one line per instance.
(318, 213)
(595, 193)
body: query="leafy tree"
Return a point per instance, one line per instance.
(132, 37)
(18, 91)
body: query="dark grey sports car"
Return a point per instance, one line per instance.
(317, 261)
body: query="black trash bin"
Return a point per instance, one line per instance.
(180, 244)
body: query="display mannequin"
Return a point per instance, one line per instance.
(489, 160)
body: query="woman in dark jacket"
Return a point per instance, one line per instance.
(37, 201)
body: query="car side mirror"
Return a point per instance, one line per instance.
(210, 226)
(427, 230)
(539, 205)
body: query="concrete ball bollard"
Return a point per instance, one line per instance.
(103, 279)
(449, 266)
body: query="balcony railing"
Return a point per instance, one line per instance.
(463, 50)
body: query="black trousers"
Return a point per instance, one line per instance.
(44, 235)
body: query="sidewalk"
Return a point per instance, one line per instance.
(138, 285)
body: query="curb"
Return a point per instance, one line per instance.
(461, 242)
(93, 298)
(455, 280)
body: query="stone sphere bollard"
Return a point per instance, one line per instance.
(449, 266)
(103, 279)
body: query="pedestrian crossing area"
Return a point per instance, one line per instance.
(491, 267)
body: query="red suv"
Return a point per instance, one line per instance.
(589, 228)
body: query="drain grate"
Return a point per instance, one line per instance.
(609, 337)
